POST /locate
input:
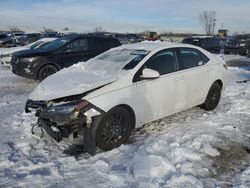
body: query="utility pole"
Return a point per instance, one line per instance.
(214, 23)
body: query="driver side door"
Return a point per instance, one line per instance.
(155, 98)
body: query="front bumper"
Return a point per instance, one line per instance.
(62, 124)
(56, 135)
(22, 69)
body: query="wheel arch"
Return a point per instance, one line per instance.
(130, 110)
(219, 81)
(45, 64)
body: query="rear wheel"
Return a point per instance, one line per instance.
(213, 97)
(46, 71)
(114, 129)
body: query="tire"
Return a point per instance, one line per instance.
(114, 129)
(247, 53)
(213, 97)
(46, 71)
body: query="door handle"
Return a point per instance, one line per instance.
(209, 70)
(179, 78)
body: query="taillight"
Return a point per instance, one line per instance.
(225, 66)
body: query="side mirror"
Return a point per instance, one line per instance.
(149, 74)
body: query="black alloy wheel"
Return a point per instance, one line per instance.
(114, 129)
(46, 71)
(213, 97)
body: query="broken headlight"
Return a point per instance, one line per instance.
(68, 107)
(62, 113)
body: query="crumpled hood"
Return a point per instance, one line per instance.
(70, 81)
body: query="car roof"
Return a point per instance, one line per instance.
(47, 39)
(75, 36)
(152, 45)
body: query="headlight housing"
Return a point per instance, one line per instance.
(27, 59)
(68, 107)
(62, 113)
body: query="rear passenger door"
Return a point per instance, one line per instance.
(74, 52)
(194, 76)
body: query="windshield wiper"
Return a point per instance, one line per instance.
(242, 81)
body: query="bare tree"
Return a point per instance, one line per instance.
(208, 21)
(98, 29)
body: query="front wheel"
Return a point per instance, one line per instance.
(213, 97)
(114, 129)
(247, 53)
(46, 71)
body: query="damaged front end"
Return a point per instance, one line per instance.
(62, 117)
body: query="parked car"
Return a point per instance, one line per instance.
(241, 47)
(211, 44)
(108, 96)
(50, 34)
(6, 41)
(63, 52)
(127, 38)
(28, 38)
(5, 55)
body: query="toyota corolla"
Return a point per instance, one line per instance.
(107, 97)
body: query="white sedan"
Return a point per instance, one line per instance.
(107, 97)
(6, 53)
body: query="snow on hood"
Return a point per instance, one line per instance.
(70, 81)
(13, 49)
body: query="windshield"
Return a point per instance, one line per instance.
(36, 44)
(116, 60)
(55, 44)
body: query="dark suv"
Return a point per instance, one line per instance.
(63, 52)
(29, 38)
(211, 44)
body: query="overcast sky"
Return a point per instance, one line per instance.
(123, 15)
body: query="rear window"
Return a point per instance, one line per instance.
(213, 42)
(187, 41)
(192, 58)
(193, 41)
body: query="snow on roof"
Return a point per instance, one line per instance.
(150, 45)
(47, 39)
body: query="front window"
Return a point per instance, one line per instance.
(116, 60)
(163, 62)
(55, 44)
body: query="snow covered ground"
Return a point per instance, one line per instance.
(194, 148)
